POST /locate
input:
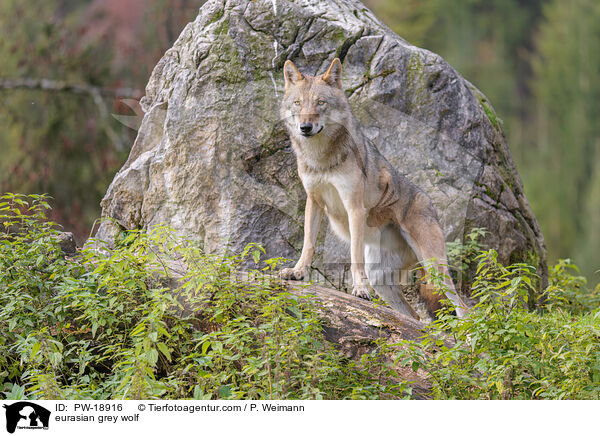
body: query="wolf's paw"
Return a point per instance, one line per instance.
(291, 274)
(361, 292)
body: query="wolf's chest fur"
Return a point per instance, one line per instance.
(329, 190)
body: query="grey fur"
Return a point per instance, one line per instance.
(390, 223)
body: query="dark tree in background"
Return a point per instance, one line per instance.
(564, 148)
(64, 143)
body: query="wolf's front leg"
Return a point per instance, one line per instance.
(312, 219)
(357, 223)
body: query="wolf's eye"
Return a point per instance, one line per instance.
(321, 102)
(297, 102)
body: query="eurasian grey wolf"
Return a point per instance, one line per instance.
(390, 223)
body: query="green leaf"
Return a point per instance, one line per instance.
(165, 350)
(138, 329)
(152, 356)
(36, 348)
(224, 392)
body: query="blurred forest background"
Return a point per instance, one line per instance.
(538, 61)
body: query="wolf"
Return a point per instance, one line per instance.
(390, 223)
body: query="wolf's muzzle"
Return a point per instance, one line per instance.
(306, 129)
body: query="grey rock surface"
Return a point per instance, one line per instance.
(213, 161)
(67, 243)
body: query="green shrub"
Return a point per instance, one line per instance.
(105, 324)
(568, 290)
(503, 350)
(108, 323)
(462, 254)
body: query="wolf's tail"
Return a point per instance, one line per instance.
(384, 270)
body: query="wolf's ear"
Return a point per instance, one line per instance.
(333, 76)
(291, 74)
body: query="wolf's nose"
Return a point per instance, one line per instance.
(306, 128)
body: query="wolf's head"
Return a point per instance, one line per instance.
(314, 105)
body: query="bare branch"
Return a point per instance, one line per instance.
(97, 93)
(58, 86)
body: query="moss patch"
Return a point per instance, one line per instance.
(489, 112)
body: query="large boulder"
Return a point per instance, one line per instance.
(212, 158)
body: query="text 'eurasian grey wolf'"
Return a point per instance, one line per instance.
(390, 223)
